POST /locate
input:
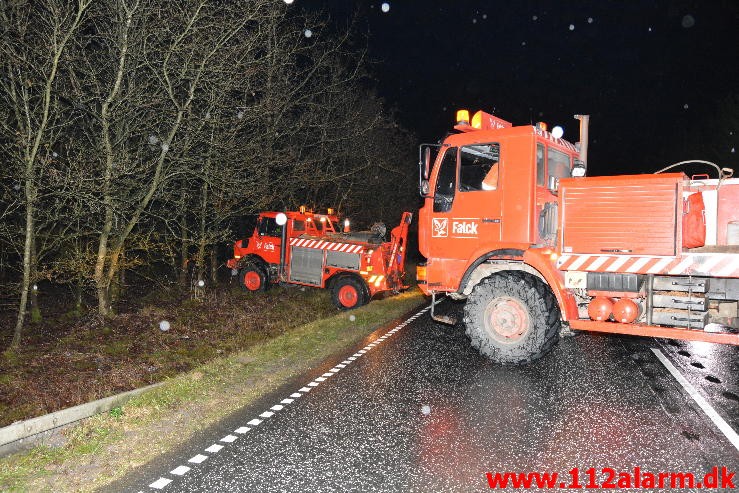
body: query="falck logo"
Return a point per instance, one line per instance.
(440, 227)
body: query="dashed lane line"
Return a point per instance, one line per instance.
(180, 471)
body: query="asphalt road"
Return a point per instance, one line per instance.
(422, 411)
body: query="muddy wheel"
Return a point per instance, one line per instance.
(348, 293)
(253, 278)
(512, 318)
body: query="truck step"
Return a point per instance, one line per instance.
(680, 301)
(685, 284)
(680, 318)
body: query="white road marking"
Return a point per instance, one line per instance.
(215, 448)
(160, 483)
(722, 425)
(179, 471)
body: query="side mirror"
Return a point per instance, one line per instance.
(553, 184)
(426, 163)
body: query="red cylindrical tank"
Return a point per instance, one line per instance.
(600, 308)
(625, 310)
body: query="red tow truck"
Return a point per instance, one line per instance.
(511, 224)
(308, 249)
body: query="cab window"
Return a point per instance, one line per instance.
(558, 164)
(268, 227)
(541, 171)
(298, 225)
(446, 181)
(478, 167)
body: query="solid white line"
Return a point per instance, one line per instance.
(722, 425)
(160, 483)
(241, 430)
(229, 439)
(198, 459)
(179, 471)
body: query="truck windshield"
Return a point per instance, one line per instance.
(268, 227)
(558, 163)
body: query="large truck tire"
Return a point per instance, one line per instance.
(348, 292)
(252, 277)
(512, 318)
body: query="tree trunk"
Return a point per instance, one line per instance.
(183, 253)
(26, 281)
(214, 264)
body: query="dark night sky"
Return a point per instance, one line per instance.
(652, 74)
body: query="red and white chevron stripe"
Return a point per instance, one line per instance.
(707, 264)
(326, 245)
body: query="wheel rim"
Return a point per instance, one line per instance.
(348, 296)
(252, 280)
(506, 319)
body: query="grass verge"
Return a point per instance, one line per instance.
(103, 448)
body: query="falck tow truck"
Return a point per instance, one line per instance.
(511, 224)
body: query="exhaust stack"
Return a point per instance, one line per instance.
(584, 124)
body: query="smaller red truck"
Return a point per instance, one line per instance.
(308, 249)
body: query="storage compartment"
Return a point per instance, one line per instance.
(631, 214)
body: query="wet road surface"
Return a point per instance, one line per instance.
(420, 410)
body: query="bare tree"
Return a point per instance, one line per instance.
(35, 38)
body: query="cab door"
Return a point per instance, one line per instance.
(466, 215)
(269, 239)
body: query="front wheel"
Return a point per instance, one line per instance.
(253, 278)
(348, 293)
(512, 317)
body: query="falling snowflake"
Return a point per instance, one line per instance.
(308, 33)
(55, 154)
(688, 21)
(425, 409)
(165, 146)
(164, 326)
(572, 27)
(650, 29)
(288, 2)
(474, 21)
(352, 318)
(240, 115)
(733, 150)
(484, 16)
(685, 106)
(590, 20)
(523, 43)
(536, 17)
(385, 7)
(153, 139)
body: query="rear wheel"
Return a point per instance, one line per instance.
(512, 317)
(253, 278)
(348, 293)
